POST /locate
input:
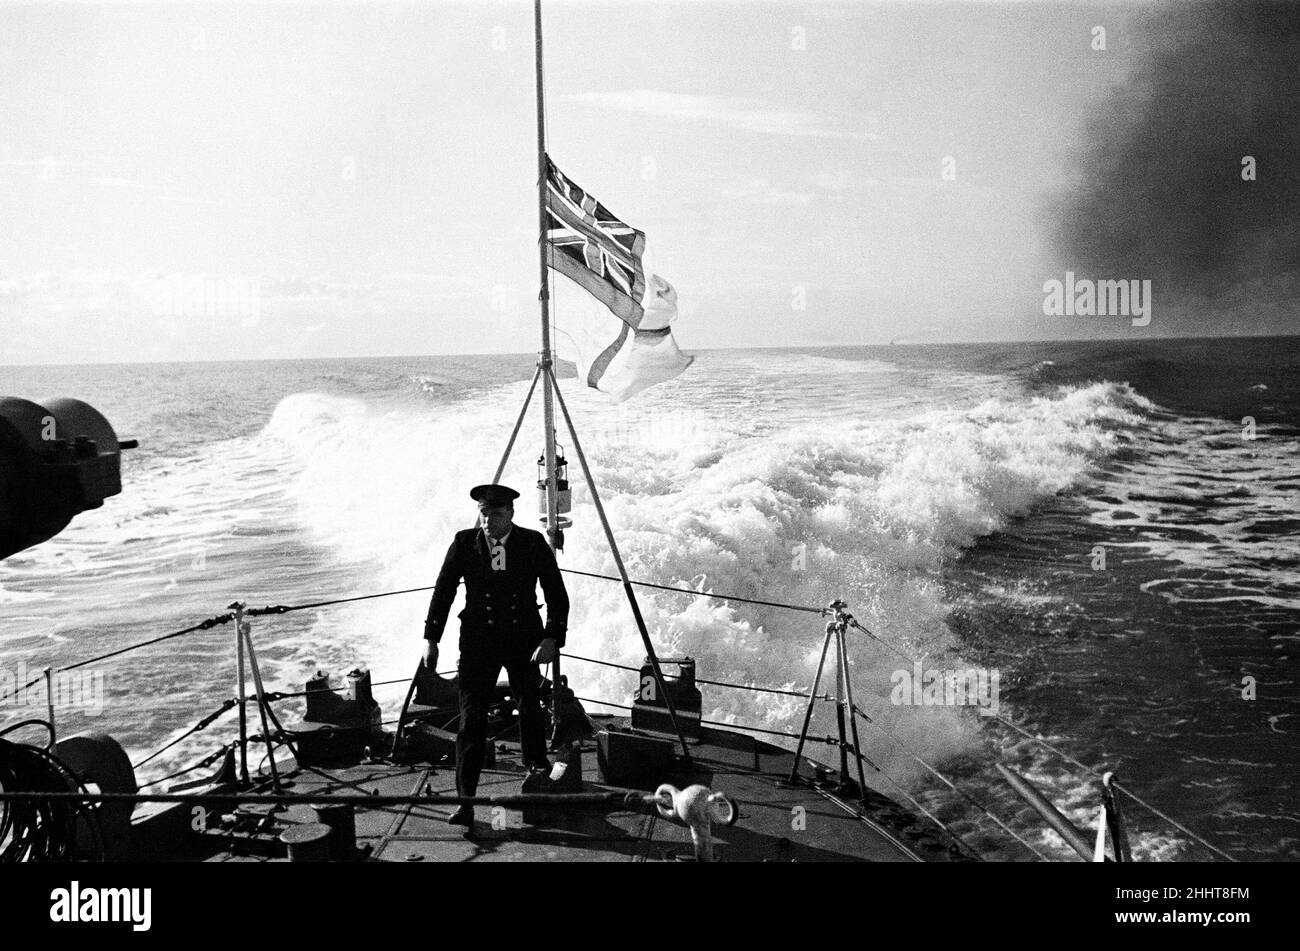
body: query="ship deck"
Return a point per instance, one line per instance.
(777, 822)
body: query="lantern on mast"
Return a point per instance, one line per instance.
(563, 495)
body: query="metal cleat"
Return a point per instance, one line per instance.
(697, 807)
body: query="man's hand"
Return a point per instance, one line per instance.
(545, 652)
(430, 655)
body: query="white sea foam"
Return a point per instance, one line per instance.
(712, 482)
(1236, 519)
(877, 506)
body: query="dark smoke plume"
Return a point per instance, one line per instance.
(1161, 193)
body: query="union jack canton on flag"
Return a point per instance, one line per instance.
(606, 258)
(593, 248)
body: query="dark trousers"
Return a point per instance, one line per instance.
(478, 669)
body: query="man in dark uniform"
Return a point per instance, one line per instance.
(500, 627)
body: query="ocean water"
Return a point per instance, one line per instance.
(957, 498)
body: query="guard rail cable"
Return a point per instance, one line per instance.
(266, 697)
(1115, 784)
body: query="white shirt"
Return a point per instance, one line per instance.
(497, 549)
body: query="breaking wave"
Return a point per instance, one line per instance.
(867, 511)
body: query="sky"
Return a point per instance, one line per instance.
(194, 181)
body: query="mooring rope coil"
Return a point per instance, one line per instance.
(38, 814)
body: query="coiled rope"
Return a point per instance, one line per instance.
(41, 829)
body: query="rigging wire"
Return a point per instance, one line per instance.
(828, 740)
(700, 594)
(206, 761)
(549, 305)
(947, 782)
(1061, 753)
(285, 609)
(701, 680)
(927, 813)
(202, 724)
(288, 609)
(201, 626)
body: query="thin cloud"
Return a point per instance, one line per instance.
(763, 192)
(840, 180)
(131, 183)
(184, 199)
(750, 115)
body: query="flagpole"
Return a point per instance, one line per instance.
(544, 361)
(544, 296)
(551, 391)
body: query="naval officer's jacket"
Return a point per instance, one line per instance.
(501, 606)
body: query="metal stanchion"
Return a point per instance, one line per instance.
(242, 694)
(48, 673)
(812, 698)
(844, 706)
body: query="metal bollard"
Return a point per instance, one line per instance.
(308, 842)
(341, 818)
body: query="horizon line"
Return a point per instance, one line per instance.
(792, 346)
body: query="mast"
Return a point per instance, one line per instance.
(544, 360)
(550, 389)
(544, 297)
